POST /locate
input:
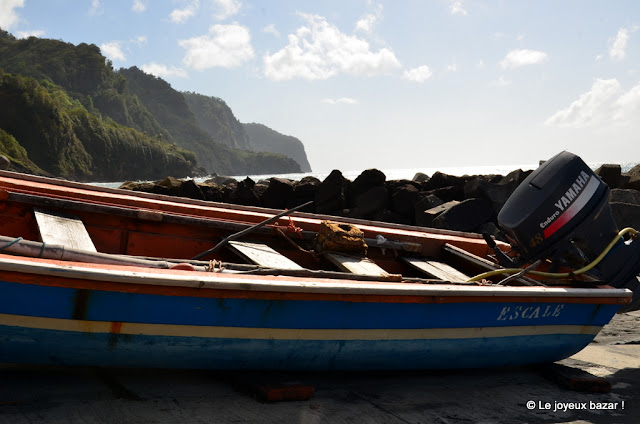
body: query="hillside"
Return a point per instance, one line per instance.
(83, 120)
(268, 140)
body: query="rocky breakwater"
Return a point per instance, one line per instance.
(467, 203)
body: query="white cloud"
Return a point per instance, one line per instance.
(457, 8)
(27, 34)
(140, 40)
(226, 46)
(271, 29)
(8, 15)
(180, 16)
(112, 50)
(419, 74)
(619, 45)
(139, 6)
(96, 8)
(368, 21)
(597, 106)
(452, 67)
(320, 50)
(227, 8)
(160, 70)
(341, 100)
(627, 106)
(523, 57)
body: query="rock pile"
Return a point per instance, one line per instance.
(467, 203)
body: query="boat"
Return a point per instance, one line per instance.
(95, 276)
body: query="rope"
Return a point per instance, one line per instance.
(11, 243)
(570, 274)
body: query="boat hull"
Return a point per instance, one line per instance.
(41, 323)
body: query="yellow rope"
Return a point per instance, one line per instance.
(582, 270)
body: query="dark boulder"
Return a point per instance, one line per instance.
(439, 180)
(496, 193)
(626, 215)
(277, 193)
(465, 216)
(618, 195)
(403, 200)
(4, 162)
(449, 193)
(423, 204)
(611, 174)
(421, 177)
(303, 192)
(245, 193)
(364, 182)
(633, 177)
(370, 203)
(146, 187)
(429, 215)
(211, 191)
(331, 195)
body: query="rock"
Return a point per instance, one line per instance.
(403, 200)
(211, 191)
(430, 215)
(449, 193)
(171, 186)
(421, 178)
(465, 216)
(137, 186)
(245, 194)
(372, 202)
(4, 162)
(626, 215)
(634, 178)
(423, 204)
(221, 180)
(304, 191)
(618, 195)
(496, 193)
(364, 182)
(439, 180)
(610, 174)
(277, 193)
(331, 195)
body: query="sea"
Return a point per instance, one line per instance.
(398, 173)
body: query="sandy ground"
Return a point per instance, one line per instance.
(47, 395)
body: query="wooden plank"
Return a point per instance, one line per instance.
(436, 269)
(63, 230)
(356, 265)
(263, 255)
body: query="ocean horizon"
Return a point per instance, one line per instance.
(395, 173)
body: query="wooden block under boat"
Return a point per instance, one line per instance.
(63, 230)
(263, 255)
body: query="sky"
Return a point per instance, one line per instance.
(385, 84)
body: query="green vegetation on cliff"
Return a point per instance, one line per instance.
(268, 140)
(76, 117)
(60, 137)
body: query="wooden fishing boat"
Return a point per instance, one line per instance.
(105, 277)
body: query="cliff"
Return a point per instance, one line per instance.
(268, 140)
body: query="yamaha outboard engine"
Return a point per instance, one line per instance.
(561, 212)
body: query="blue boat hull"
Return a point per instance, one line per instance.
(63, 325)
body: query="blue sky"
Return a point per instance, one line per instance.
(385, 84)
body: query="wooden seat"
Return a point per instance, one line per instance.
(436, 269)
(356, 265)
(63, 230)
(263, 255)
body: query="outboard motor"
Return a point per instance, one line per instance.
(561, 212)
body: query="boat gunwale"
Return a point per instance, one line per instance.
(253, 285)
